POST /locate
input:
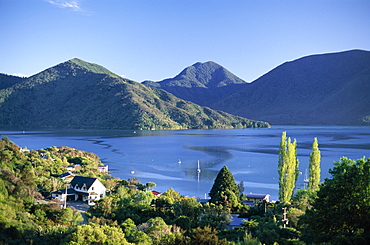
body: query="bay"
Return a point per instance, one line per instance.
(169, 158)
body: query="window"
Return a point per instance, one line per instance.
(92, 188)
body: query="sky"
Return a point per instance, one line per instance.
(156, 39)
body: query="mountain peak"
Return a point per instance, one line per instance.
(92, 67)
(202, 75)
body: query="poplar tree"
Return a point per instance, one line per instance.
(314, 166)
(287, 167)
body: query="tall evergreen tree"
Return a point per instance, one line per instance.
(314, 167)
(225, 191)
(287, 167)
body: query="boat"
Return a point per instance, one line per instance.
(305, 180)
(179, 161)
(198, 170)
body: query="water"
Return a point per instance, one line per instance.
(250, 154)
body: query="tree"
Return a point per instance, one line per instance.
(224, 190)
(341, 212)
(156, 229)
(314, 167)
(171, 196)
(215, 216)
(206, 235)
(287, 167)
(95, 234)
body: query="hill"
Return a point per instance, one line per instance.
(78, 94)
(201, 83)
(8, 80)
(326, 89)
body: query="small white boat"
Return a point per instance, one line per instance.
(179, 161)
(198, 170)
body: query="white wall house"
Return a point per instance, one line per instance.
(103, 168)
(83, 189)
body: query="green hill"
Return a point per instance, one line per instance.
(8, 81)
(325, 89)
(201, 83)
(78, 94)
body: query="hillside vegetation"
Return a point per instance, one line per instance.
(78, 94)
(326, 89)
(132, 214)
(202, 83)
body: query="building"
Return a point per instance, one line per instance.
(67, 176)
(236, 222)
(81, 188)
(103, 168)
(156, 193)
(258, 198)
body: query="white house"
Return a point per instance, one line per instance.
(82, 189)
(103, 168)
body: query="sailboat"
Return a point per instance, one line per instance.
(305, 180)
(198, 170)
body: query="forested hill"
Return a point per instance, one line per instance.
(78, 94)
(326, 89)
(8, 80)
(202, 83)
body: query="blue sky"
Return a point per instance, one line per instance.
(156, 39)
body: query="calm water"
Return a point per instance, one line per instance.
(250, 154)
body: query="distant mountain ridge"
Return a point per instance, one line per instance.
(325, 89)
(201, 83)
(78, 94)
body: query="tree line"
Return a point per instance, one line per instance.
(335, 211)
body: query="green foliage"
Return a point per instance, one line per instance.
(314, 167)
(215, 216)
(206, 235)
(97, 234)
(287, 167)
(224, 190)
(171, 196)
(303, 199)
(133, 235)
(250, 240)
(22, 176)
(341, 212)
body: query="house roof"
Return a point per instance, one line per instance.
(66, 174)
(257, 196)
(236, 221)
(203, 200)
(80, 181)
